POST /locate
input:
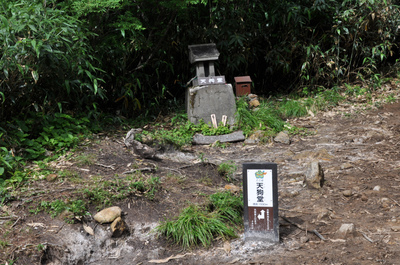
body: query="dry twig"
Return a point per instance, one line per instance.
(314, 231)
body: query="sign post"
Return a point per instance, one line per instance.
(260, 194)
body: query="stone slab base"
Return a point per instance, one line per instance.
(202, 101)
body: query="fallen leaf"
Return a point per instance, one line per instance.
(88, 229)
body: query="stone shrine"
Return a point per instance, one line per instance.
(209, 95)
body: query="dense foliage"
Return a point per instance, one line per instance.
(132, 55)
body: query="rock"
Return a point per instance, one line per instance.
(255, 138)
(282, 137)
(130, 137)
(144, 150)
(254, 103)
(140, 149)
(347, 193)
(232, 137)
(345, 231)
(386, 203)
(119, 227)
(377, 188)
(395, 228)
(304, 239)
(314, 176)
(252, 96)
(108, 215)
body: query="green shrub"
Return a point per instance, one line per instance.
(46, 60)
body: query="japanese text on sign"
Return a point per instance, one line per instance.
(211, 80)
(260, 192)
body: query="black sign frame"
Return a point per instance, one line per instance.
(259, 231)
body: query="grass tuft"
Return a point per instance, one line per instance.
(198, 225)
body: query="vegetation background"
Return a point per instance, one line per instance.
(69, 66)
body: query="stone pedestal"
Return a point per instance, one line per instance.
(202, 101)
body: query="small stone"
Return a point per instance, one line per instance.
(347, 193)
(345, 231)
(304, 239)
(255, 138)
(314, 176)
(108, 215)
(282, 137)
(209, 139)
(252, 96)
(386, 203)
(395, 228)
(377, 188)
(119, 227)
(51, 177)
(254, 103)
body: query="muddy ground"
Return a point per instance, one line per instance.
(358, 148)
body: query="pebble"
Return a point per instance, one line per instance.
(347, 193)
(345, 231)
(304, 239)
(314, 175)
(254, 103)
(282, 137)
(377, 188)
(119, 227)
(108, 215)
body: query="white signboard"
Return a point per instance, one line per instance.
(259, 187)
(211, 80)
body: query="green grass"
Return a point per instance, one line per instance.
(105, 192)
(85, 159)
(228, 206)
(290, 108)
(4, 244)
(227, 170)
(72, 208)
(200, 225)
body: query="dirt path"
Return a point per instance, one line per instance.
(358, 150)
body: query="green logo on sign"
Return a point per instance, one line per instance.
(260, 174)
